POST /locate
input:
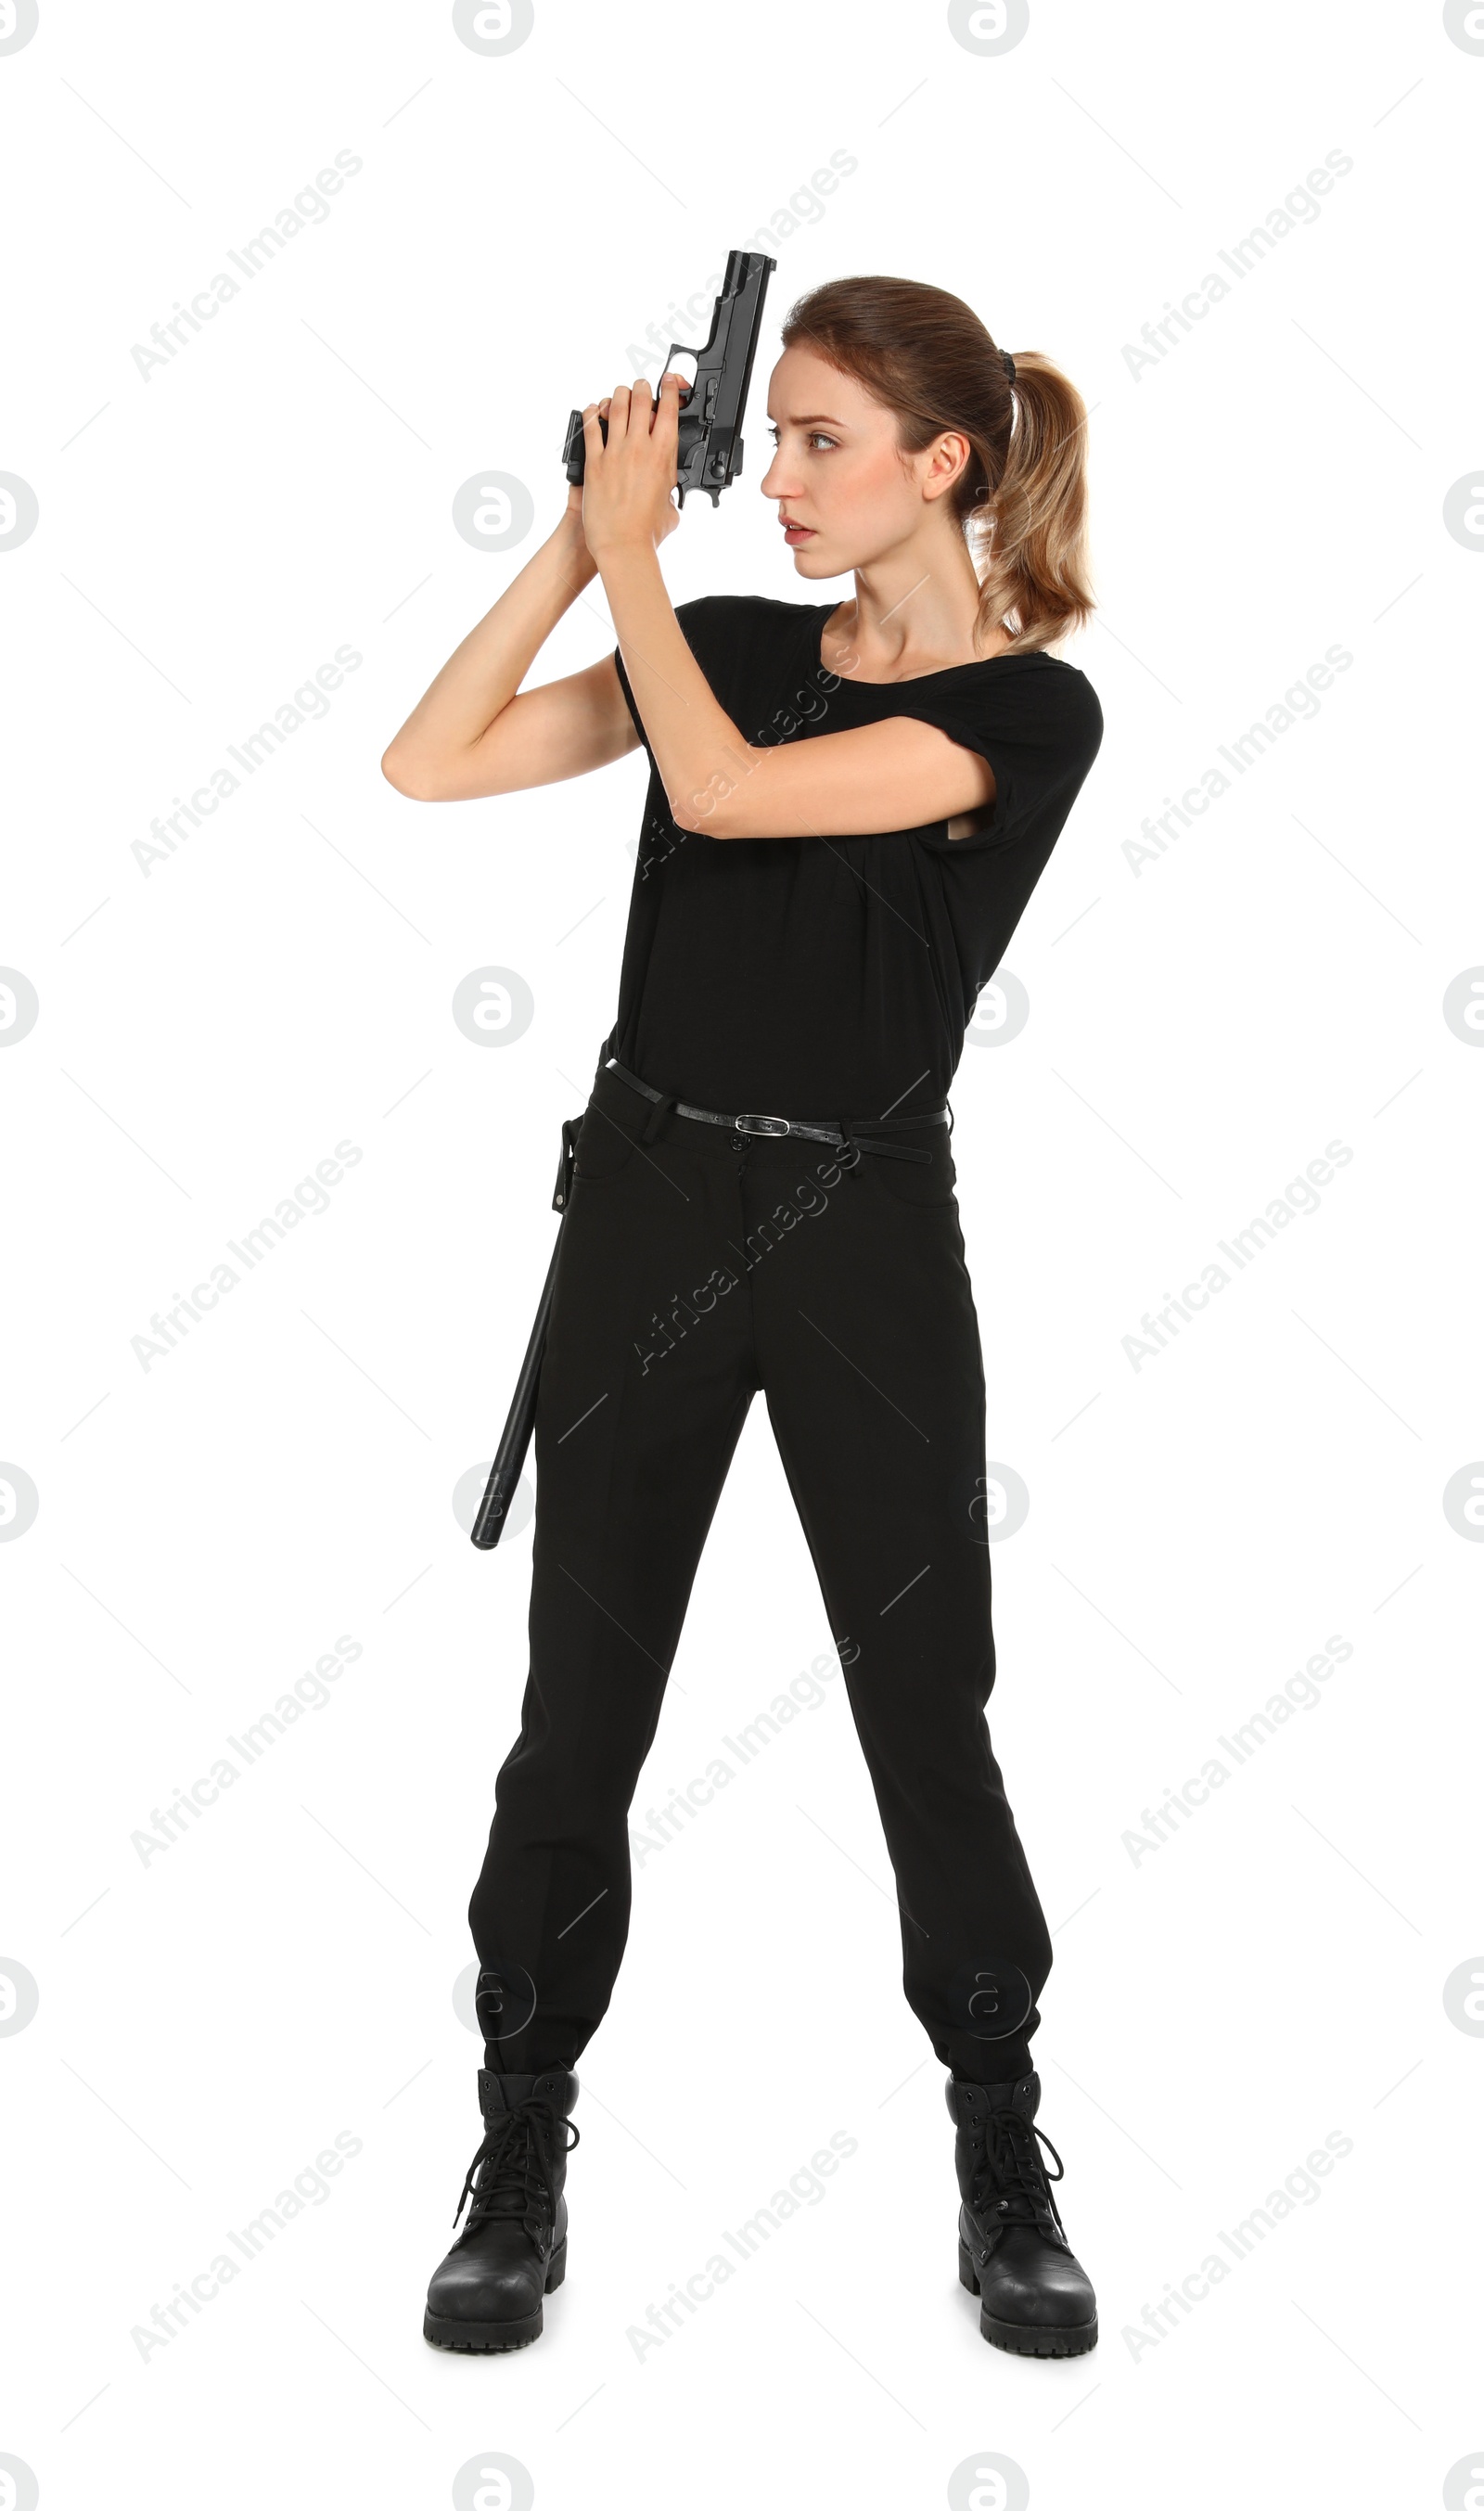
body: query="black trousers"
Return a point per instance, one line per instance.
(693, 1273)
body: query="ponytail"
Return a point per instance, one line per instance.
(1021, 499)
(1032, 556)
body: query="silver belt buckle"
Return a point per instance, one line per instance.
(769, 1125)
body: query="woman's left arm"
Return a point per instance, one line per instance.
(901, 774)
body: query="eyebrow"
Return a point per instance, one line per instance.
(815, 418)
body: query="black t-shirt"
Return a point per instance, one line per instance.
(835, 976)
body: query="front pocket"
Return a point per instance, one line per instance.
(929, 1185)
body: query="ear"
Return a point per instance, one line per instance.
(945, 462)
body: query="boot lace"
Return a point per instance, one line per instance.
(511, 2175)
(1012, 2174)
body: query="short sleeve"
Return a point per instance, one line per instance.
(1040, 728)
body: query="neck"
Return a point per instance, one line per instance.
(915, 609)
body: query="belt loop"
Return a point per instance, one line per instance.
(656, 1118)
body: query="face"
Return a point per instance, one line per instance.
(847, 494)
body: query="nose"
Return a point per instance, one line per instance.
(775, 482)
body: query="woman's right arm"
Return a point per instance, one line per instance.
(471, 733)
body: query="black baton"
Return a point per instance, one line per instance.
(515, 1438)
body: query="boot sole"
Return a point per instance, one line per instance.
(494, 2336)
(1013, 2337)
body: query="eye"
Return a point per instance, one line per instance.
(816, 436)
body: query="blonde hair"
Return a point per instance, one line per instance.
(1021, 499)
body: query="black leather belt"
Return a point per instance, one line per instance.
(840, 1132)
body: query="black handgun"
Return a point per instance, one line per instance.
(709, 452)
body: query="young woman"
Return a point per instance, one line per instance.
(850, 804)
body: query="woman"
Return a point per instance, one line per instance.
(850, 804)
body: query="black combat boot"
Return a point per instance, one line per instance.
(1034, 2298)
(486, 2296)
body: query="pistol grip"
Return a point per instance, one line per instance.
(574, 449)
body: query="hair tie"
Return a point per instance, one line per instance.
(1008, 364)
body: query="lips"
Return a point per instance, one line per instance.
(796, 533)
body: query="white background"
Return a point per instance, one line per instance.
(1201, 1027)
